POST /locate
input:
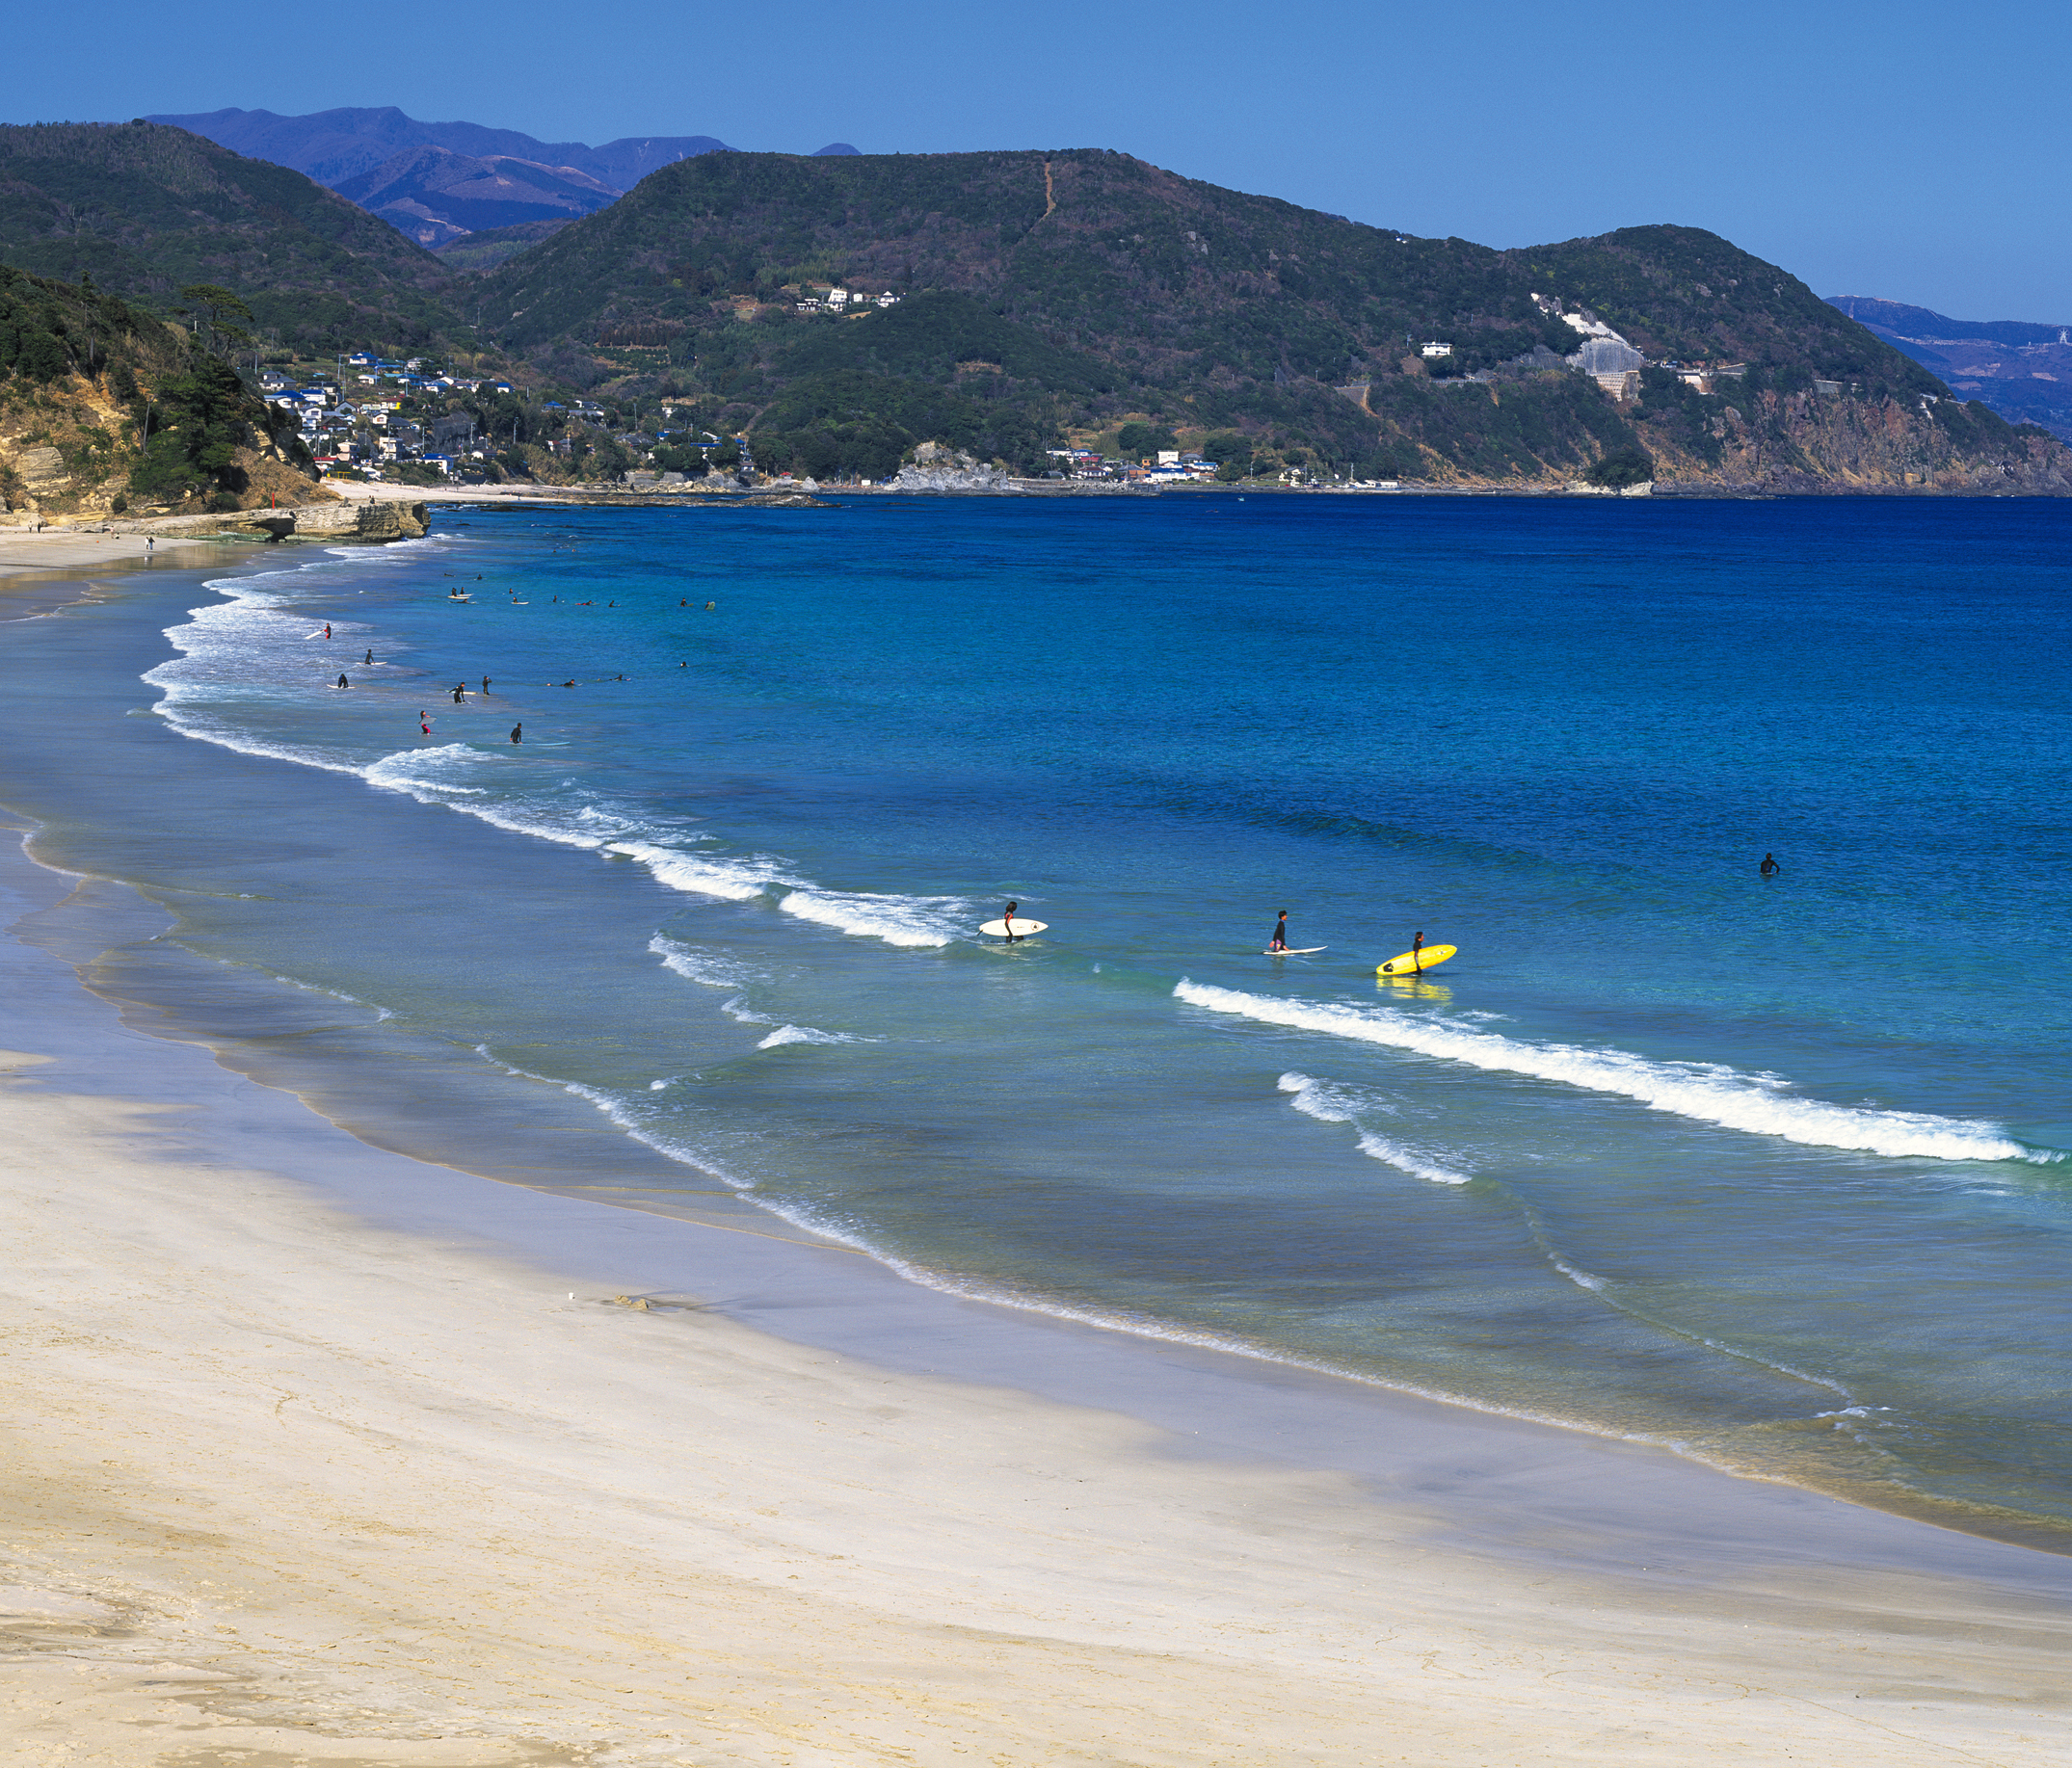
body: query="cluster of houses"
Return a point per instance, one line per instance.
(845, 300)
(1168, 467)
(368, 429)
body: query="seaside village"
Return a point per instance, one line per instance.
(372, 418)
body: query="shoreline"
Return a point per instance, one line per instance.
(321, 1448)
(323, 1451)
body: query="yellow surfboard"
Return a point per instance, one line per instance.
(1411, 964)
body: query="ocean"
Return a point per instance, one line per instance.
(1770, 1170)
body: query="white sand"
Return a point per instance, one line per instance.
(77, 549)
(281, 1481)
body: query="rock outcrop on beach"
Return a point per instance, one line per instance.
(338, 523)
(936, 468)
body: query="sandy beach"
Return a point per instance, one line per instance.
(317, 1455)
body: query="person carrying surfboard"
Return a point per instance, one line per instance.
(1278, 941)
(1417, 953)
(1007, 920)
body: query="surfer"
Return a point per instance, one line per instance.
(424, 724)
(368, 659)
(1417, 953)
(327, 629)
(1278, 941)
(485, 684)
(518, 733)
(1771, 869)
(342, 682)
(460, 689)
(1007, 921)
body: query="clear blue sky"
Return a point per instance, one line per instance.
(1895, 150)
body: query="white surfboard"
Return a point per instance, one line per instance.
(1022, 929)
(1295, 951)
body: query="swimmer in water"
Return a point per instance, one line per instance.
(1769, 868)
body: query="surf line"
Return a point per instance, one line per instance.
(1690, 1090)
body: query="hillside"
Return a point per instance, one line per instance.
(1111, 290)
(104, 410)
(2021, 369)
(146, 210)
(331, 146)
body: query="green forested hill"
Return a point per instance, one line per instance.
(1060, 293)
(146, 210)
(1045, 298)
(104, 410)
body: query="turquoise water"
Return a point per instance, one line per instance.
(1773, 1169)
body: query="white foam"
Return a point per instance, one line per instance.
(898, 920)
(1320, 1099)
(729, 880)
(1755, 1104)
(803, 1034)
(695, 966)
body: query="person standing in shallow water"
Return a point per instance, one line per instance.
(518, 733)
(1007, 920)
(1771, 869)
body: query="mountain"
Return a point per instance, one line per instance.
(2021, 369)
(836, 148)
(104, 410)
(146, 210)
(1070, 293)
(331, 146)
(434, 195)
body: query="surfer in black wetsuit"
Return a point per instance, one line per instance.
(1007, 921)
(1278, 941)
(343, 683)
(369, 658)
(1771, 869)
(518, 733)
(1417, 952)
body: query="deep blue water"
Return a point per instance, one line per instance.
(1775, 1169)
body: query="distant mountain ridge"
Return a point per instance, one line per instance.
(333, 146)
(434, 195)
(2020, 368)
